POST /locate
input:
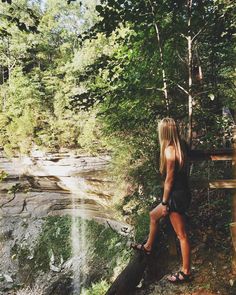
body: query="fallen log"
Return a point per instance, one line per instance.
(133, 273)
(130, 277)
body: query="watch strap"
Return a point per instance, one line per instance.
(164, 203)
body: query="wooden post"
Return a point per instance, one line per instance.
(233, 235)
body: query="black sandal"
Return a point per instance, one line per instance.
(186, 278)
(140, 247)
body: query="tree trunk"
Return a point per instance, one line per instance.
(161, 59)
(8, 60)
(4, 91)
(190, 96)
(233, 224)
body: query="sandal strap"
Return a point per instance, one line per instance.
(140, 247)
(176, 276)
(185, 276)
(177, 279)
(145, 250)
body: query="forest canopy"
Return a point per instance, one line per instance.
(73, 73)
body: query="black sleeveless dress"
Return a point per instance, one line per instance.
(180, 195)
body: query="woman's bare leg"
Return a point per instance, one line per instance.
(155, 216)
(178, 223)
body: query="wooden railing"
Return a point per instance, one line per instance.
(220, 155)
(209, 155)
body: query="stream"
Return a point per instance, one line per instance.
(54, 207)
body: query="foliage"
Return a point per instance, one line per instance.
(108, 249)
(109, 87)
(37, 77)
(54, 239)
(96, 289)
(3, 175)
(15, 188)
(135, 97)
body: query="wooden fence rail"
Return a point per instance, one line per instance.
(210, 155)
(219, 155)
(214, 155)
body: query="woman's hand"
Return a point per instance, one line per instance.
(165, 210)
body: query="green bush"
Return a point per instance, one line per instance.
(98, 288)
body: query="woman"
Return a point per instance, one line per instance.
(176, 194)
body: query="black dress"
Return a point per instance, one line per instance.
(180, 195)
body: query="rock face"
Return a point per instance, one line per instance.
(51, 184)
(43, 185)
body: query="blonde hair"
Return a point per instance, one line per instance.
(169, 134)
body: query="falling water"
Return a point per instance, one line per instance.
(78, 238)
(78, 231)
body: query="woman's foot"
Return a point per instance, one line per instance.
(141, 247)
(179, 277)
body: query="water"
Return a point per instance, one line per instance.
(78, 231)
(78, 238)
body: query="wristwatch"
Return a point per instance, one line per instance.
(164, 203)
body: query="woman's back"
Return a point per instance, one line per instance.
(180, 195)
(181, 177)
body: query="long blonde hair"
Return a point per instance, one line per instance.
(169, 134)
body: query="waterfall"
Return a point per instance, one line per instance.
(78, 240)
(79, 243)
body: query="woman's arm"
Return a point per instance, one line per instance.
(170, 168)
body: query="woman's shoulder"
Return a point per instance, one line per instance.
(170, 152)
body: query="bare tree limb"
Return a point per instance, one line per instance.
(199, 32)
(183, 89)
(182, 35)
(179, 56)
(154, 88)
(202, 92)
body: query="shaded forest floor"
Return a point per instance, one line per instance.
(209, 232)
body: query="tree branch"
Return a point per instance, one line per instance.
(201, 93)
(154, 88)
(182, 35)
(179, 56)
(199, 32)
(183, 89)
